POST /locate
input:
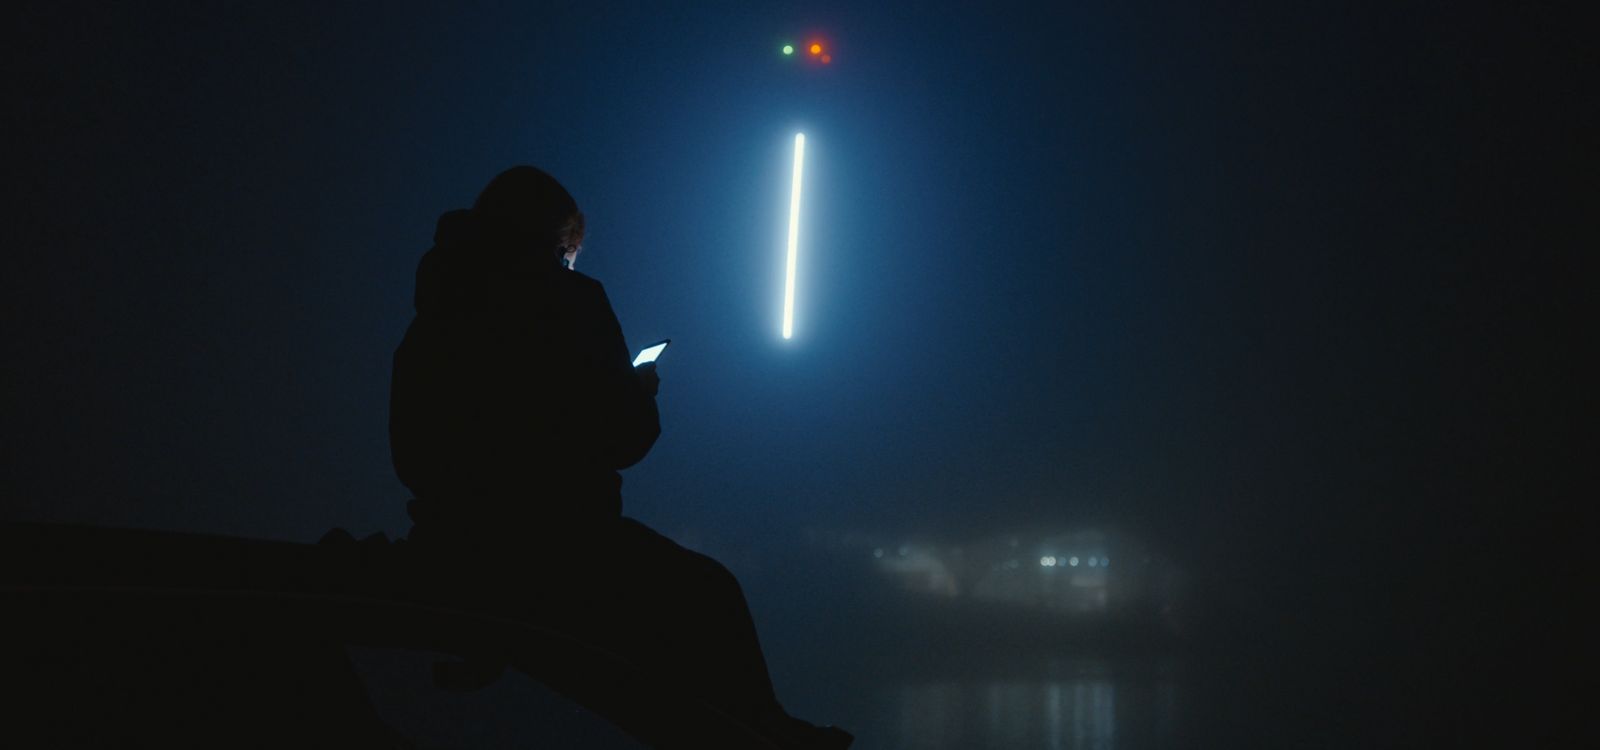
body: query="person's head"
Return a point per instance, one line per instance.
(524, 209)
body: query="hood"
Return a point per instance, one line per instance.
(439, 273)
(462, 271)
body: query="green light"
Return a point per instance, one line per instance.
(788, 49)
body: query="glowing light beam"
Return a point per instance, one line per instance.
(794, 235)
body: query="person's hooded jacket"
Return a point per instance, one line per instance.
(514, 402)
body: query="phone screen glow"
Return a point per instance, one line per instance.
(649, 354)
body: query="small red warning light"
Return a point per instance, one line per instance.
(827, 59)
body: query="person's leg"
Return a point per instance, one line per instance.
(693, 615)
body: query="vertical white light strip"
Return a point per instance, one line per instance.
(794, 235)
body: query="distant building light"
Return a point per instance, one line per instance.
(905, 549)
(1047, 562)
(1073, 561)
(1094, 562)
(878, 553)
(1105, 562)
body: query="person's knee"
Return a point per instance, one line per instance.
(675, 563)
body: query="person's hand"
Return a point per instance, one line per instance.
(648, 379)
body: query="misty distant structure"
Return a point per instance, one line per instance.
(1080, 574)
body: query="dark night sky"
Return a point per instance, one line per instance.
(1271, 286)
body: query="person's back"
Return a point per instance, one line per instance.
(513, 403)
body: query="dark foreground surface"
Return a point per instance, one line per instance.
(123, 637)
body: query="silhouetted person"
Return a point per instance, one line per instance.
(514, 405)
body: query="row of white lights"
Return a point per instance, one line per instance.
(1051, 561)
(1048, 561)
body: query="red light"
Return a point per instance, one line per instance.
(827, 59)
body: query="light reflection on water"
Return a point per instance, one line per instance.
(1099, 711)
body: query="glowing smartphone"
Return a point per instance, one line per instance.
(649, 353)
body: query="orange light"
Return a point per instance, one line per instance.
(816, 49)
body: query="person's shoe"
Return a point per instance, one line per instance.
(790, 732)
(833, 738)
